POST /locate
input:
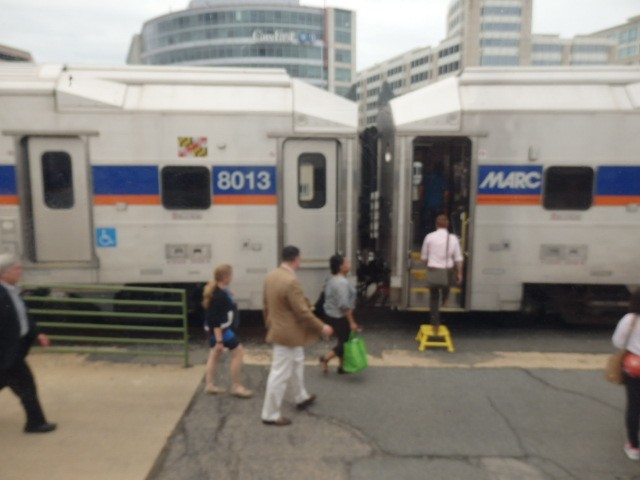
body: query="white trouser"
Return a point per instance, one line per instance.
(287, 364)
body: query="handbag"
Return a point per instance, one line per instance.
(355, 354)
(441, 277)
(613, 369)
(318, 307)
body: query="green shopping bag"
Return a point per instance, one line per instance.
(355, 354)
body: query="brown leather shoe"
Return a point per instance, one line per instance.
(306, 403)
(281, 422)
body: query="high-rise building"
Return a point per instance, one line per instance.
(494, 33)
(314, 44)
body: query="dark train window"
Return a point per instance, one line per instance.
(57, 180)
(186, 188)
(568, 188)
(312, 180)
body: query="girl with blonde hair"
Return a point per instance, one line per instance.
(221, 316)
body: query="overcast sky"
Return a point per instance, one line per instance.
(92, 31)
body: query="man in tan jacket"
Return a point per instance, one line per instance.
(290, 326)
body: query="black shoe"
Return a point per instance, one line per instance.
(306, 403)
(42, 428)
(342, 371)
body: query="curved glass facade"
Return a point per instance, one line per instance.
(314, 44)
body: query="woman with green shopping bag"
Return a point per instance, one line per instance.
(339, 302)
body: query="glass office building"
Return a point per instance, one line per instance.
(627, 41)
(314, 44)
(487, 33)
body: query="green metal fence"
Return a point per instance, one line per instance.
(111, 319)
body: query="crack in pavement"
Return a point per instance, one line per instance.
(569, 391)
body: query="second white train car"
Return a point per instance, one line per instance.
(542, 170)
(151, 175)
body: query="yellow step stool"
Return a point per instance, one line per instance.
(427, 331)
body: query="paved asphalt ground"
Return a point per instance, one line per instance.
(511, 403)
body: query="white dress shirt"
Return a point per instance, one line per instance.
(434, 249)
(622, 331)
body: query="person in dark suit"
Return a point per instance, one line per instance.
(17, 333)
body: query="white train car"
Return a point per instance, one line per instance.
(151, 175)
(542, 172)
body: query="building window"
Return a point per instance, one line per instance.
(343, 75)
(57, 179)
(343, 19)
(312, 180)
(501, 42)
(541, 63)
(343, 91)
(186, 188)
(629, 51)
(343, 56)
(499, 60)
(546, 48)
(395, 70)
(590, 49)
(420, 61)
(568, 188)
(500, 27)
(448, 68)
(510, 11)
(448, 51)
(419, 77)
(343, 36)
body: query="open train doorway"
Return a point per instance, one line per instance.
(441, 168)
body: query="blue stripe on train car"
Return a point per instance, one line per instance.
(8, 185)
(618, 181)
(129, 180)
(137, 185)
(617, 185)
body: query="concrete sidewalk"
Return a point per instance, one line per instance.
(113, 418)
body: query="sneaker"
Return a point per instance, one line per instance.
(632, 453)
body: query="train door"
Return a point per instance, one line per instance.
(58, 182)
(309, 204)
(440, 185)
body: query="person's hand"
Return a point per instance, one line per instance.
(354, 327)
(43, 340)
(219, 346)
(327, 331)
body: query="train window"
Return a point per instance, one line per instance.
(568, 188)
(312, 180)
(57, 179)
(186, 188)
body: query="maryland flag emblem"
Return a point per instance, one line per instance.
(192, 146)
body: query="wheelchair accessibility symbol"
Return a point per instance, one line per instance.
(106, 237)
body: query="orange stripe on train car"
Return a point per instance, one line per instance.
(509, 200)
(130, 199)
(245, 200)
(9, 200)
(615, 200)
